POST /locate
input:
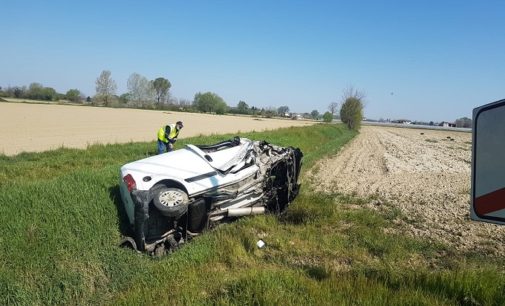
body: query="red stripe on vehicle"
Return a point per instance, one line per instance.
(490, 202)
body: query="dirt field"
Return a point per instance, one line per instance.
(426, 176)
(36, 127)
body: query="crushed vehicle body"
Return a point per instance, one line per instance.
(172, 197)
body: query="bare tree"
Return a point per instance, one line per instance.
(105, 87)
(134, 85)
(185, 102)
(333, 108)
(351, 92)
(141, 90)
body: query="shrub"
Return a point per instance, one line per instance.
(351, 113)
(327, 117)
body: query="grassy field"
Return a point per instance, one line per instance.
(60, 226)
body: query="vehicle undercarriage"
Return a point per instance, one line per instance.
(165, 217)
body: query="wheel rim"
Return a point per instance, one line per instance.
(171, 198)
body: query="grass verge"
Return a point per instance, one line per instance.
(60, 225)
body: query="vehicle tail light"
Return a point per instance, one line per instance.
(130, 182)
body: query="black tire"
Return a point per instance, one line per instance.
(171, 202)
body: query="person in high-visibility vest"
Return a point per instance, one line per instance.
(167, 136)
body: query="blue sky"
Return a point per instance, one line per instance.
(422, 60)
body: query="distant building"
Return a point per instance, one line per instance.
(296, 116)
(446, 124)
(402, 121)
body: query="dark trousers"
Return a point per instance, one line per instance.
(164, 147)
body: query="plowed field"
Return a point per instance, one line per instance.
(423, 173)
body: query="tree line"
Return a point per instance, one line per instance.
(36, 91)
(141, 93)
(155, 94)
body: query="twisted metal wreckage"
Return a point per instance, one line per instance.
(172, 197)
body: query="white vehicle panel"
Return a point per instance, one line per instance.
(189, 167)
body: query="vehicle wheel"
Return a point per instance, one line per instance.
(171, 202)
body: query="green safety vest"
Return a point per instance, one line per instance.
(173, 133)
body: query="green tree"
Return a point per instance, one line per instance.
(464, 122)
(254, 110)
(35, 91)
(73, 95)
(281, 111)
(49, 94)
(351, 112)
(242, 107)
(327, 117)
(221, 108)
(209, 102)
(38, 92)
(105, 88)
(124, 98)
(314, 114)
(161, 87)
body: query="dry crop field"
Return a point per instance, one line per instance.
(425, 174)
(37, 127)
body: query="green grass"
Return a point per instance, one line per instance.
(60, 226)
